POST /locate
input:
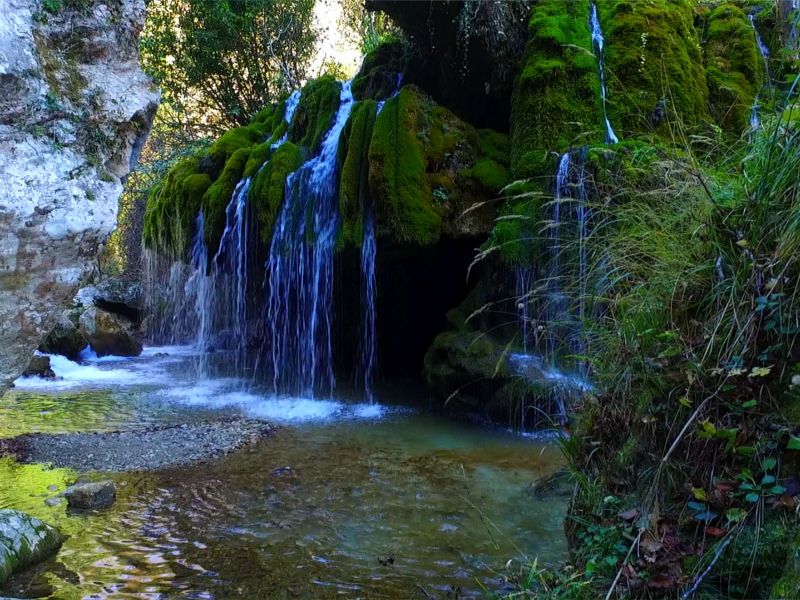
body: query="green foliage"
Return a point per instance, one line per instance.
(369, 28)
(653, 55)
(226, 59)
(377, 78)
(555, 102)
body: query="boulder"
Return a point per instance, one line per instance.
(39, 367)
(98, 494)
(66, 338)
(114, 295)
(24, 541)
(108, 333)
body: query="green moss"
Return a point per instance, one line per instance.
(268, 188)
(652, 55)
(555, 102)
(377, 78)
(354, 171)
(489, 174)
(234, 140)
(734, 67)
(757, 558)
(173, 206)
(494, 145)
(404, 199)
(515, 238)
(258, 156)
(218, 196)
(315, 112)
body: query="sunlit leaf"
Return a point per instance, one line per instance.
(760, 371)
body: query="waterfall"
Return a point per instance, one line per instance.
(206, 304)
(199, 294)
(398, 83)
(598, 42)
(291, 105)
(369, 337)
(755, 120)
(369, 341)
(555, 347)
(231, 272)
(300, 269)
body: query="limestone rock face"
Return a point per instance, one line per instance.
(75, 110)
(109, 333)
(24, 541)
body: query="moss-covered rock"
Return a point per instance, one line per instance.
(219, 194)
(654, 65)
(354, 193)
(315, 112)
(556, 100)
(173, 205)
(734, 66)
(24, 541)
(422, 161)
(415, 161)
(269, 184)
(378, 77)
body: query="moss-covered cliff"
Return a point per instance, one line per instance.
(418, 164)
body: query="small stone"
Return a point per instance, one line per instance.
(100, 494)
(52, 488)
(53, 501)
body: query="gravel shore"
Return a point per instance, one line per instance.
(140, 450)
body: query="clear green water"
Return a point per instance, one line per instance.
(369, 508)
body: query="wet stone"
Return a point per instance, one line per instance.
(100, 494)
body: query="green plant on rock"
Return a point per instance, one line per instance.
(315, 112)
(355, 197)
(654, 65)
(558, 77)
(734, 67)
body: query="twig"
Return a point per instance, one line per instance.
(622, 566)
(699, 579)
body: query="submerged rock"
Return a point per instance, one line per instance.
(24, 541)
(40, 367)
(109, 334)
(98, 494)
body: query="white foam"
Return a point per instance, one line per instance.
(71, 375)
(223, 394)
(89, 355)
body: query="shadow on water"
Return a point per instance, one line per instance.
(339, 505)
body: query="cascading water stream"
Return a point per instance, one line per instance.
(199, 291)
(598, 42)
(369, 341)
(369, 250)
(300, 269)
(291, 106)
(231, 270)
(755, 120)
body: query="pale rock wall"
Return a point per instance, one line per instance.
(75, 110)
